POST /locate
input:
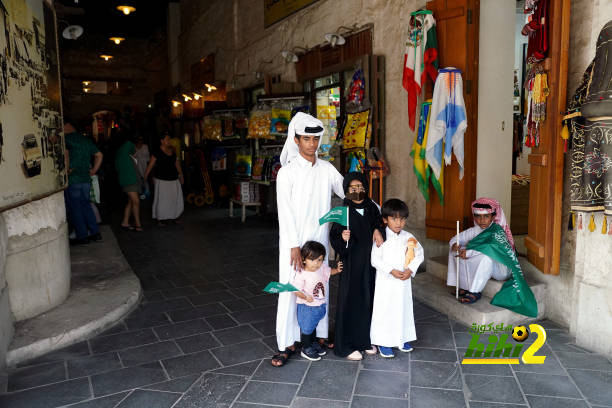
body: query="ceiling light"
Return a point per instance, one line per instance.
(86, 90)
(175, 103)
(126, 9)
(72, 32)
(187, 97)
(210, 88)
(289, 56)
(334, 39)
(196, 96)
(86, 83)
(106, 57)
(117, 40)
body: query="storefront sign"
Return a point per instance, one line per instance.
(31, 143)
(276, 10)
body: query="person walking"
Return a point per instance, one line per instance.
(129, 182)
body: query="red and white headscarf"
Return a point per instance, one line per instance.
(500, 218)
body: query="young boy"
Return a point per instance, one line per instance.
(476, 268)
(311, 306)
(396, 262)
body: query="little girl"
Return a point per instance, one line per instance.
(311, 307)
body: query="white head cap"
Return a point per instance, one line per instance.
(301, 124)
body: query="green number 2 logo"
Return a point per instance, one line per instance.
(528, 355)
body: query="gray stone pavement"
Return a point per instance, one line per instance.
(204, 333)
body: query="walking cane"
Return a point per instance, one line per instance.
(457, 265)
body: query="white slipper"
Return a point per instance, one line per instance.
(355, 356)
(372, 350)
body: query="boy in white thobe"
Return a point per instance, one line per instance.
(304, 187)
(476, 268)
(396, 262)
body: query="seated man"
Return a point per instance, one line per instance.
(475, 268)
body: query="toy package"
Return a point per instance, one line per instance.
(259, 124)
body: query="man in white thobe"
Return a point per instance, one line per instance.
(476, 268)
(304, 187)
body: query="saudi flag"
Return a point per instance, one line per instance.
(336, 214)
(277, 287)
(515, 294)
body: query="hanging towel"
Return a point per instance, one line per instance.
(448, 121)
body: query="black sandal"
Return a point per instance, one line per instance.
(470, 297)
(282, 357)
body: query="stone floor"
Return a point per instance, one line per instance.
(204, 333)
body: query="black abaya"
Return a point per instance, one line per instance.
(356, 290)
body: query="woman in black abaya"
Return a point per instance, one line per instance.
(356, 291)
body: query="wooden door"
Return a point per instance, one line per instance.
(457, 31)
(546, 189)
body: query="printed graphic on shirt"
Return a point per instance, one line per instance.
(319, 291)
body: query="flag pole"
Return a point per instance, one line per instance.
(347, 222)
(457, 266)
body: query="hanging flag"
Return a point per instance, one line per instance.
(420, 58)
(421, 169)
(515, 294)
(277, 287)
(336, 214)
(448, 121)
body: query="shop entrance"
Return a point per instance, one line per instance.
(458, 34)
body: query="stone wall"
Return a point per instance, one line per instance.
(37, 264)
(234, 31)
(6, 317)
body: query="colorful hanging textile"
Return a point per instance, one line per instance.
(448, 121)
(536, 29)
(420, 59)
(420, 166)
(591, 166)
(537, 93)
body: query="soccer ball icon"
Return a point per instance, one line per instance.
(520, 333)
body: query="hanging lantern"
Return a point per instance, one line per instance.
(117, 40)
(126, 9)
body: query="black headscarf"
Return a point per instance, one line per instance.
(346, 183)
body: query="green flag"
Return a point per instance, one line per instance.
(515, 294)
(336, 214)
(277, 287)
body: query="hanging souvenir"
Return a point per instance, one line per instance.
(259, 124)
(355, 130)
(356, 89)
(280, 121)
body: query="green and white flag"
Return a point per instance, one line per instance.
(277, 287)
(336, 214)
(515, 293)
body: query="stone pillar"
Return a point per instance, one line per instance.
(38, 256)
(6, 318)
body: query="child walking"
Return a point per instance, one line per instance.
(311, 306)
(396, 262)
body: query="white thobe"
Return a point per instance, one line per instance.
(303, 194)
(477, 269)
(392, 315)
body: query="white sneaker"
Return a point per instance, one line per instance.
(372, 350)
(355, 356)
